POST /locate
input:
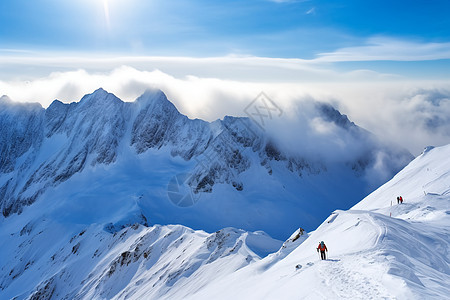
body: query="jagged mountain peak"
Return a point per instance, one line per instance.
(155, 99)
(100, 92)
(99, 97)
(243, 122)
(331, 114)
(55, 104)
(153, 94)
(5, 99)
(7, 103)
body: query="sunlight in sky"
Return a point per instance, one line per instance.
(106, 11)
(205, 28)
(57, 49)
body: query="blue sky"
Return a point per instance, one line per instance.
(373, 60)
(204, 28)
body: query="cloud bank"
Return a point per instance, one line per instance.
(411, 114)
(383, 48)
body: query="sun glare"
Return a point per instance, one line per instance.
(106, 12)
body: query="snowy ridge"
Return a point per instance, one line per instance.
(146, 262)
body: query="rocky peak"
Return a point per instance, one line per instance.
(99, 98)
(6, 104)
(330, 114)
(154, 101)
(5, 100)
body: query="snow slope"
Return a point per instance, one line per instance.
(371, 254)
(48, 260)
(424, 186)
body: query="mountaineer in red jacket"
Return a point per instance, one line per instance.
(322, 249)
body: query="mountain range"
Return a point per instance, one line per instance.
(105, 161)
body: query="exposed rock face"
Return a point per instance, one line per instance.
(158, 123)
(21, 130)
(77, 134)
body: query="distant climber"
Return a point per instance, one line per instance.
(401, 199)
(322, 248)
(398, 200)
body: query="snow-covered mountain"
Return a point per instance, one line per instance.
(95, 264)
(376, 251)
(105, 161)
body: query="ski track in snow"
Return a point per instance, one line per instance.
(382, 229)
(346, 282)
(343, 277)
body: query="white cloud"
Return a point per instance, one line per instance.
(232, 67)
(383, 48)
(413, 114)
(311, 11)
(404, 111)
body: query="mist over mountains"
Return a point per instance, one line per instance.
(101, 157)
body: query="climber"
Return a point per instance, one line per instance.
(322, 249)
(398, 200)
(401, 199)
